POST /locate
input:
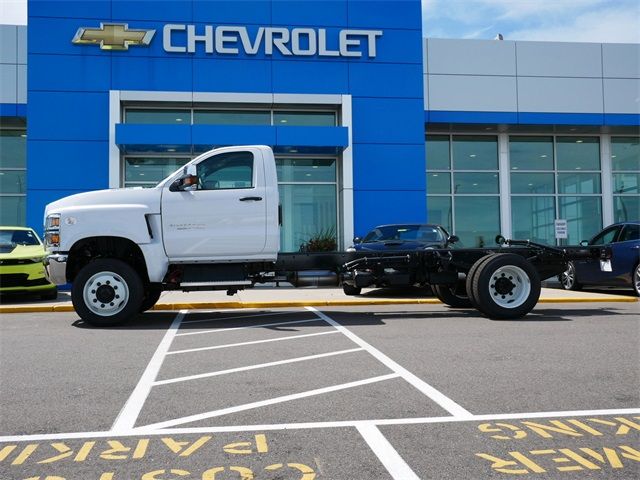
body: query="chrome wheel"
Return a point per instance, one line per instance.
(509, 286)
(105, 294)
(568, 277)
(636, 280)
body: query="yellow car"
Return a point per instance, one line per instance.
(21, 267)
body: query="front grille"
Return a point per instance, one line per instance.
(9, 280)
(21, 261)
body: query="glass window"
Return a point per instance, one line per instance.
(531, 153)
(306, 169)
(630, 232)
(226, 171)
(231, 117)
(437, 148)
(18, 237)
(533, 218)
(578, 153)
(439, 212)
(438, 182)
(475, 152)
(625, 153)
(13, 148)
(307, 211)
(148, 171)
(532, 183)
(158, 116)
(605, 237)
(584, 217)
(626, 183)
(304, 119)
(13, 210)
(405, 232)
(626, 208)
(13, 181)
(475, 182)
(578, 183)
(477, 220)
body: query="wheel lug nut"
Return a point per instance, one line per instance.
(503, 297)
(117, 296)
(111, 304)
(95, 300)
(98, 284)
(102, 305)
(93, 291)
(115, 287)
(108, 282)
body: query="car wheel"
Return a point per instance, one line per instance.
(151, 296)
(453, 295)
(568, 278)
(50, 295)
(636, 280)
(470, 276)
(506, 286)
(351, 290)
(107, 292)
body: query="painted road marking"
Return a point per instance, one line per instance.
(223, 330)
(319, 425)
(388, 456)
(435, 395)
(253, 367)
(264, 403)
(127, 417)
(255, 342)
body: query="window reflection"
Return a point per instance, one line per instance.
(531, 153)
(475, 152)
(578, 153)
(158, 116)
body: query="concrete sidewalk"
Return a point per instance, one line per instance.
(271, 296)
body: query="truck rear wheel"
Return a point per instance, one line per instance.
(453, 295)
(107, 292)
(506, 286)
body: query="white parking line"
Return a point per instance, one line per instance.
(445, 402)
(127, 417)
(255, 342)
(223, 330)
(254, 367)
(264, 403)
(388, 456)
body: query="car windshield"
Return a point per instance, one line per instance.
(18, 237)
(419, 233)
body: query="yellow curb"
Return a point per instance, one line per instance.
(301, 303)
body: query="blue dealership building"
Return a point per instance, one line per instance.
(370, 122)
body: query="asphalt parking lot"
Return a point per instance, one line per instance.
(366, 392)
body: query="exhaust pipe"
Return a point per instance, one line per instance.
(313, 278)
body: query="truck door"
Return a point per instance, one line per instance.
(225, 216)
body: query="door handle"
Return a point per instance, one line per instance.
(248, 199)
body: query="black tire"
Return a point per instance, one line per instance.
(107, 292)
(568, 279)
(151, 296)
(453, 295)
(50, 295)
(471, 275)
(635, 280)
(350, 290)
(506, 287)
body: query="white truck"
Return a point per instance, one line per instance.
(214, 225)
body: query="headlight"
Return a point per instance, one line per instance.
(53, 221)
(36, 259)
(52, 230)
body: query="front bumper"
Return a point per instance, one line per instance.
(55, 267)
(25, 277)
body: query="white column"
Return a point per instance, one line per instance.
(505, 185)
(346, 186)
(607, 180)
(114, 151)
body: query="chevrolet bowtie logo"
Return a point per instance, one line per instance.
(113, 36)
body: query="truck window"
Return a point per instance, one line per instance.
(225, 171)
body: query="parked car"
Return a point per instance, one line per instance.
(21, 267)
(624, 240)
(399, 237)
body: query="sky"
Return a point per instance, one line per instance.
(599, 21)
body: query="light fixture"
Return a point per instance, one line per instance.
(530, 184)
(578, 141)
(171, 149)
(613, 156)
(434, 175)
(514, 168)
(473, 155)
(543, 156)
(283, 121)
(314, 166)
(308, 174)
(474, 184)
(23, 135)
(578, 168)
(178, 119)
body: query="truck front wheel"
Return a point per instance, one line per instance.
(151, 296)
(506, 286)
(107, 292)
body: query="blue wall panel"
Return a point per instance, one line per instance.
(97, 9)
(385, 120)
(68, 116)
(151, 74)
(387, 80)
(377, 207)
(231, 76)
(68, 73)
(80, 159)
(393, 167)
(230, 12)
(306, 12)
(129, 134)
(392, 14)
(310, 77)
(175, 10)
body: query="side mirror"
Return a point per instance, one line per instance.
(357, 240)
(187, 182)
(584, 243)
(453, 239)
